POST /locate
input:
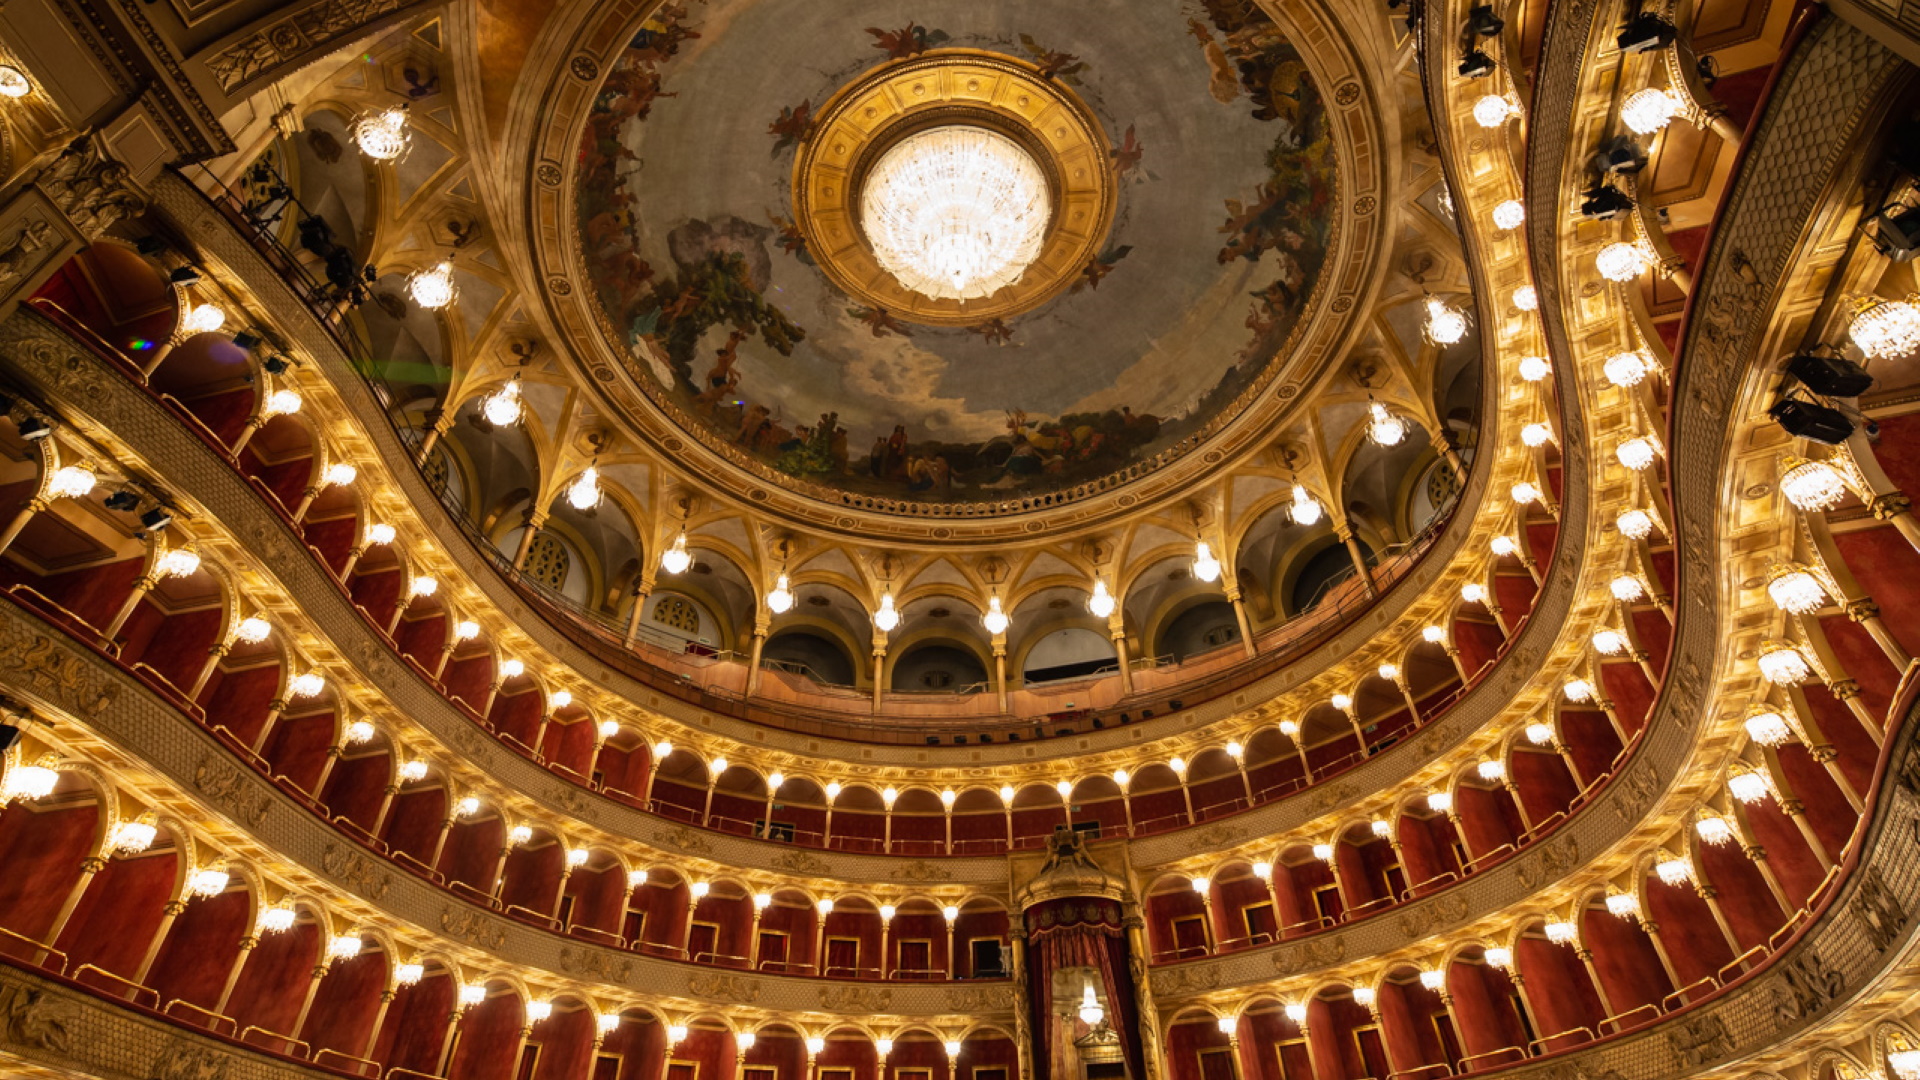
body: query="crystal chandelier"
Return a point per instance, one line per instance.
(432, 288)
(995, 620)
(1767, 727)
(1609, 642)
(252, 630)
(1502, 546)
(340, 474)
(1473, 593)
(1205, 566)
(179, 563)
(136, 836)
(584, 492)
(282, 403)
(360, 732)
(13, 84)
(1493, 110)
(278, 919)
(307, 685)
(1636, 453)
(1306, 509)
(1634, 524)
(1885, 329)
(204, 319)
(1445, 323)
(956, 212)
(1782, 664)
(1623, 905)
(1433, 980)
(383, 136)
(1536, 435)
(1674, 871)
(1620, 262)
(1090, 1011)
(1795, 590)
(1383, 427)
(1499, 957)
(1524, 493)
(1578, 691)
(1647, 111)
(380, 533)
(1509, 214)
(1526, 298)
(1750, 786)
(1491, 771)
(888, 616)
(1100, 604)
(1812, 485)
(1624, 369)
(208, 882)
(676, 559)
(1626, 588)
(28, 783)
(1562, 932)
(71, 482)
(780, 600)
(502, 407)
(1535, 368)
(1440, 802)
(1713, 829)
(1539, 734)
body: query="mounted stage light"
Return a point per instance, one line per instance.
(1808, 420)
(1604, 203)
(1830, 376)
(33, 429)
(245, 340)
(149, 245)
(1619, 154)
(1644, 32)
(275, 365)
(1476, 65)
(1897, 236)
(1482, 21)
(121, 500)
(183, 275)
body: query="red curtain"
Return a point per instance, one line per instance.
(1079, 933)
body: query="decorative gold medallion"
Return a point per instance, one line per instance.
(953, 88)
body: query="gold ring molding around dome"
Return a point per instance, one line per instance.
(953, 87)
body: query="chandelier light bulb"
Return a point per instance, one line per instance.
(1227, 1025)
(1434, 635)
(560, 699)
(1342, 702)
(1609, 642)
(1389, 672)
(340, 474)
(676, 558)
(637, 878)
(832, 790)
(277, 919)
(1795, 590)
(344, 947)
(1626, 588)
(308, 684)
(1440, 802)
(1526, 298)
(1445, 324)
(1749, 787)
(1623, 905)
(1383, 427)
(1263, 870)
(71, 482)
(1290, 728)
(1178, 765)
(204, 319)
(995, 620)
(1634, 524)
(1502, 546)
(1535, 435)
(1491, 771)
(1578, 691)
(577, 857)
(780, 600)
(360, 732)
(824, 905)
(948, 796)
(1473, 593)
(13, 82)
(1296, 1012)
(1674, 872)
(1886, 329)
(282, 403)
(892, 794)
(1782, 664)
(1767, 727)
(1539, 734)
(1433, 980)
(608, 729)
(1364, 996)
(538, 1011)
(520, 834)
(952, 1048)
(252, 630)
(472, 994)
(1647, 111)
(1381, 828)
(1100, 605)
(1535, 368)
(136, 836)
(1323, 852)
(1499, 958)
(1205, 566)
(956, 212)
(608, 1023)
(468, 806)
(1812, 485)
(413, 771)
(178, 563)
(1509, 214)
(1561, 932)
(584, 492)
(512, 668)
(466, 630)
(1620, 262)
(1524, 493)
(380, 534)
(432, 288)
(883, 1047)
(1713, 829)
(1636, 453)
(1198, 884)
(1006, 794)
(1306, 509)
(409, 974)
(28, 783)
(887, 912)
(423, 587)
(503, 406)
(950, 913)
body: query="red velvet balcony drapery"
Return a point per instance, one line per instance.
(1079, 933)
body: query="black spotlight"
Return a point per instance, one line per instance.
(247, 341)
(1483, 22)
(1475, 65)
(1644, 32)
(33, 429)
(183, 275)
(275, 365)
(1619, 154)
(149, 245)
(122, 500)
(1897, 236)
(1604, 203)
(8, 736)
(156, 519)
(1821, 423)
(1830, 376)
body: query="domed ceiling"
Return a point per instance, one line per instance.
(1154, 321)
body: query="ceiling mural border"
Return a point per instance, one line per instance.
(1345, 293)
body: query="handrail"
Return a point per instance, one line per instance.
(353, 1063)
(306, 1049)
(125, 983)
(214, 1019)
(1618, 1019)
(1500, 1052)
(1539, 1046)
(1680, 994)
(38, 947)
(1423, 1070)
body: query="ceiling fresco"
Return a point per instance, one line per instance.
(1224, 168)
